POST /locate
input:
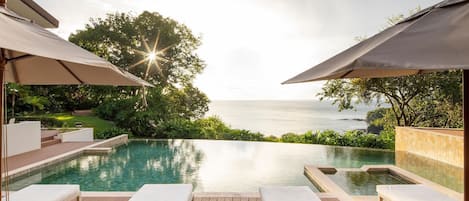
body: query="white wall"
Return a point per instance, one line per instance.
(82, 135)
(22, 137)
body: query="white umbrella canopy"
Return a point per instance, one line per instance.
(434, 39)
(32, 55)
(36, 56)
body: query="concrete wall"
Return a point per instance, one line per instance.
(115, 141)
(444, 145)
(22, 137)
(81, 135)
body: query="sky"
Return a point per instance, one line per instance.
(252, 46)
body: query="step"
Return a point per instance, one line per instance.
(47, 135)
(44, 139)
(50, 142)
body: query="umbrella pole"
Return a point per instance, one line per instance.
(2, 71)
(466, 132)
(3, 3)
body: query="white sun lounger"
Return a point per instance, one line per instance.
(287, 193)
(410, 192)
(47, 192)
(163, 192)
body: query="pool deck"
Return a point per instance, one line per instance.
(24, 163)
(25, 159)
(196, 196)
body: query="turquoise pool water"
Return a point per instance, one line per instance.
(211, 166)
(364, 183)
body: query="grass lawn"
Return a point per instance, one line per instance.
(87, 121)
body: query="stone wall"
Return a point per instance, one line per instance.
(80, 135)
(444, 145)
(113, 142)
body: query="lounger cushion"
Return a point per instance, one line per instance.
(288, 193)
(163, 192)
(46, 192)
(410, 192)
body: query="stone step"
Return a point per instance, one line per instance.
(44, 139)
(47, 135)
(50, 142)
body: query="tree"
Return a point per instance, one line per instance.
(155, 48)
(432, 99)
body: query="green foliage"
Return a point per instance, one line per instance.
(46, 122)
(353, 138)
(377, 120)
(387, 138)
(432, 99)
(212, 128)
(124, 40)
(110, 132)
(178, 129)
(241, 134)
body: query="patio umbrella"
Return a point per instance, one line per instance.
(434, 39)
(32, 55)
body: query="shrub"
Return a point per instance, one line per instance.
(328, 137)
(241, 134)
(110, 132)
(292, 138)
(48, 122)
(178, 129)
(212, 128)
(387, 138)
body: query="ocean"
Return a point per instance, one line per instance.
(280, 117)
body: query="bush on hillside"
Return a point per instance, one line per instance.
(110, 132)
(47, 122)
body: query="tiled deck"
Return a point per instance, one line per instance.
(21, 160)
(125, 196)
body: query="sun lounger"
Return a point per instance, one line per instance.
(410, 192)
(163, 192)
(288, 193)
(45, 192)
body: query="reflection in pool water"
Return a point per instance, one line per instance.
(438, 172)
(211, 166)
(364, 183)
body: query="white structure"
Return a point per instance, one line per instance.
(22, 137)
(81, 135)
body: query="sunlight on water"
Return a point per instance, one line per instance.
(211, 166)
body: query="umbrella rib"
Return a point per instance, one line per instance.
(70, 71)
(19, 58)
(347, 73)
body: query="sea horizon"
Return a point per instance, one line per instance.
(277, 117)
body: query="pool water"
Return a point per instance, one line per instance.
(364, 183)
(211, 166)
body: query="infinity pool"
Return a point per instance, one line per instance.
(211, 166)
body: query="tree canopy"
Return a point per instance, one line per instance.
(128, 41)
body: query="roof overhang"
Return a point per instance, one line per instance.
(31, 10)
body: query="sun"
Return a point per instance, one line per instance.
(152, 56)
